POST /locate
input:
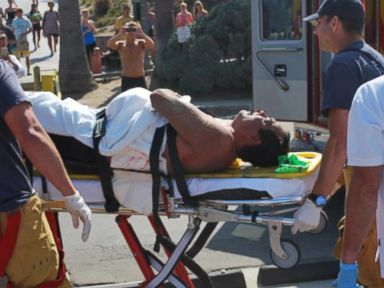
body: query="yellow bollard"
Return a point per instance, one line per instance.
(48, 83)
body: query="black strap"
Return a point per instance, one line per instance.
(187, 260)
(29, 166)
(177, 167)
(201, 239)
(44, 185)
(155, 170)
(105, 171)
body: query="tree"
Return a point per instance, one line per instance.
(164, 29)
(75, 75)
(217, 57)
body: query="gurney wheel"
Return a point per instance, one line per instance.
(322, 225)
(293, 255)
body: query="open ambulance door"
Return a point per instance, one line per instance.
(279, 47)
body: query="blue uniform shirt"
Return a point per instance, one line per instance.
(349, 68)
(15, 186)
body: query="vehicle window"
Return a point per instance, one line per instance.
(281, 20)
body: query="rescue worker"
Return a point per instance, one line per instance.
(339, 26)
(28, 254)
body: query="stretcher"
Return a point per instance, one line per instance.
(241, 194)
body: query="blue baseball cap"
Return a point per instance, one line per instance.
(346, 10)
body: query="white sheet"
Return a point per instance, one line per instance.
(133, 190)
(131, 124)
(128, 116)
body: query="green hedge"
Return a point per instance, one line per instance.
(216, 57)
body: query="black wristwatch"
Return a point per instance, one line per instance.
(319, 200)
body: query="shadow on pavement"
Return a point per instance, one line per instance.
(253, 240)
(40, 59)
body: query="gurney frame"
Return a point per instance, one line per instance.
(284, 253)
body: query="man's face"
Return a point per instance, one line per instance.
(324, 32)
(126, 11)
(131, 31)
(247, 122)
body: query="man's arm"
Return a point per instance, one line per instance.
(148, 42)
(91, 26)
(112, 42)
(29, 30)
(360, 210)
(16, 65)
(196, 127)
(335, 153)
(38, 147)
(333, 161)
(40, 150)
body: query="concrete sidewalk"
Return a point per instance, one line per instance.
(245, 278)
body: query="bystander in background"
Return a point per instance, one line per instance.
(184, 20)
(198, 12)
(10, 59)
(10, 35)
(35, 18)
(88, 29)
(131, 43)
(124, 18)
(22, 27)
(10, 12)
(149, 26)
(150, 21)
(51, 27)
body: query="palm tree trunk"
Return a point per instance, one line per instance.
(75, 75)
(164, 29)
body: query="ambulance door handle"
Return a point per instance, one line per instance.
(279, 49)
(279, 82)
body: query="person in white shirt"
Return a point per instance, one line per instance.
(22, 26)
(365, 151)
(10, 59)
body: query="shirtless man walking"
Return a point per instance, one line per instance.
(131, 43)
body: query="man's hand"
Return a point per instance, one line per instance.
(79, 210)
(347, 276)
(123, 31)
(140, 31)
(306, 218)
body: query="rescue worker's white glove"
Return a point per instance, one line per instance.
(307, 217)
(76, 206)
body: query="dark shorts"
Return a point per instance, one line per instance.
(129, 82)
(36, 27)
(89, 49)
(54, 35)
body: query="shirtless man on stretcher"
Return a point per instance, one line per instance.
(204, 143)
(207, 144)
